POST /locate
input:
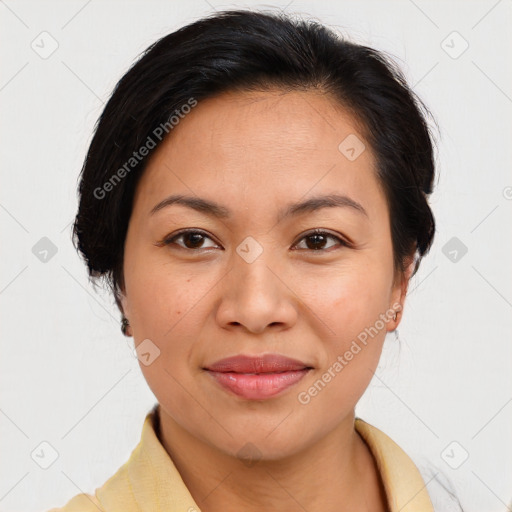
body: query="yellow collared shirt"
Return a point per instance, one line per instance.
(149, 479)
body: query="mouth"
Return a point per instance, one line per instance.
(258, 377)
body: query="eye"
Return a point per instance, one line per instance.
(189, 239)
(317, 240)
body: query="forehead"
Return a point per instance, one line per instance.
(270, 143)
(290, 121)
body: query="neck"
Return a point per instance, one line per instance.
(337, 473)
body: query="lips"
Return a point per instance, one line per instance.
(258, 377)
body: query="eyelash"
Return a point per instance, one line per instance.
(171, 240)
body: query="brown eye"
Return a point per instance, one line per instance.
(190, 239)
(318, 240)
(193, 240)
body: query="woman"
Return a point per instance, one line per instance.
(256, 195)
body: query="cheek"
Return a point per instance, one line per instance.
(349, 360)
(170, 308)
(349, 298)
(168, 311)
(163, 299)
(352, 304)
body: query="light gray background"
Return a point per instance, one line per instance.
(68, 376)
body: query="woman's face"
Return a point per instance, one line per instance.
(252, 279)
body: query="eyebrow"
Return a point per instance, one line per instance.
(216, 210)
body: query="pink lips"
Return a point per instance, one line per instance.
(260, 377)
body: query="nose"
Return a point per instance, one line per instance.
(256, 296)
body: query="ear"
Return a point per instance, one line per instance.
(123, 305)
(399, 293)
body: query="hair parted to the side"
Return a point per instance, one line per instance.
(242, 50)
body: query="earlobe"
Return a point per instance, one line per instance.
(125, 327)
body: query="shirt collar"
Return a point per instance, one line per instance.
(405, 489)
(149, 479)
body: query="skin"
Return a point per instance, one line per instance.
(254, 153)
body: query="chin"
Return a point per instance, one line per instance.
(260, 441)
(252, 450)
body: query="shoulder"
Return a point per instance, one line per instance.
(117, 492)
(404, 485)
(114, 494)
(80, 503)
(403, 476)
(445, 497)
